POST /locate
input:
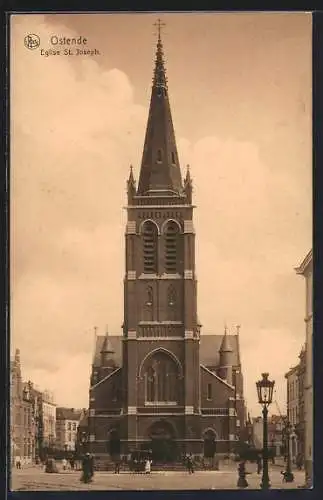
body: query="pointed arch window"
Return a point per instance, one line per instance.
(171, 296)
(161, 379)
(172, 248)
(148, 309)
(172, 303)
(150, 243)
(149, 301)
(159, 155)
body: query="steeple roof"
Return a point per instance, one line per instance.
(160, 169)
(107, 346)
(225, 344)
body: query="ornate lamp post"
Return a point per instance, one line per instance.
(84, 441)
(265, 388)
(289, 476)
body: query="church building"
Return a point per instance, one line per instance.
(163, 385)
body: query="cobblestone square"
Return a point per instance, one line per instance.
(33, 479)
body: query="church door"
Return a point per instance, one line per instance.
(162, 444)
(209, 445)
(114, 444)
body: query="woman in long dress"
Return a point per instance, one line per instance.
(148, 466)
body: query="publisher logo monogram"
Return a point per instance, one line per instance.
(32, 41)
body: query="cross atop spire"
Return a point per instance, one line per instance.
(159, 80)
(159, 25)
(160, 169)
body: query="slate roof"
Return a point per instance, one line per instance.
(209, 349)
(84, 420)
(68, 414)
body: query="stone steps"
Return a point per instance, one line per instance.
(108, 465)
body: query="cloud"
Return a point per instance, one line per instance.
(76, 127)
(75, 130)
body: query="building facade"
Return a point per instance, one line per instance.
(44, 418)
(276, 441)
(67, 423)
(163, 385)
(22, 430)
(306, 270)
(82, 437)
(300, 425)
(293, 411)
(48, 417)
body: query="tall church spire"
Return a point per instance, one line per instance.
(160, 169)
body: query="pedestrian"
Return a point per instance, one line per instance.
(259, 464)
(148, 465)
(64, 463)
(72, 463)
(299, 461)
(91, 461)
(117, 467)
(190, 464)
(86, 469)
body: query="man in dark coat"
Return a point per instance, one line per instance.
(190, 464)
(87, 471)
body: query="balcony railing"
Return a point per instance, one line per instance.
(110, 411)
(152, 200)
(216, 412)
(157, 331)
(166, 408)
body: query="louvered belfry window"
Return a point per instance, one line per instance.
(171, 247)
(150, 241)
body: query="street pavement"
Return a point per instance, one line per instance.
(34, 478)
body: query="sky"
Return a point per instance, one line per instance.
(240, 94)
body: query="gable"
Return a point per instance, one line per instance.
(107, 392)
(209, 349)
(221, 391)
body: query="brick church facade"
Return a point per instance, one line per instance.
(163, 385)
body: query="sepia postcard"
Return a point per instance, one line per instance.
(161, 251)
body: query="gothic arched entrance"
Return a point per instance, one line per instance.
(162, 442)
(209, 437)
(114, 444)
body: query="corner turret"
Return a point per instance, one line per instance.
(131, 187)
(188, 186)
(226, 352)
(108, 363)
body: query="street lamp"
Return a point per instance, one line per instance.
(289, 476)
(265, 388)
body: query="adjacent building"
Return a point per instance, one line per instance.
(32, 418)
(67, 423)
(22, 430)
(306, 269)
(293, 399)
(48, 419)
(276, 437)
(163, 384)
(83, 433)
(301, 424)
